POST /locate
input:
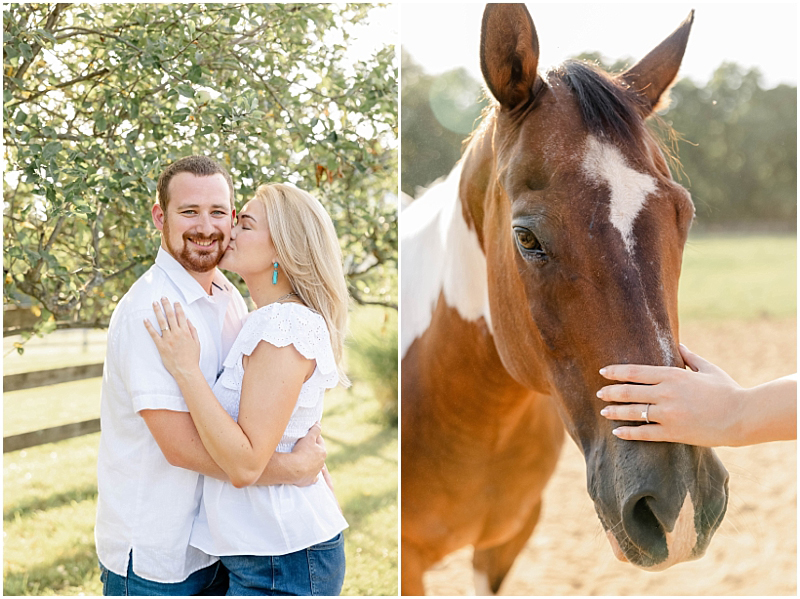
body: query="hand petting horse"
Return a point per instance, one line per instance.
(553, 249)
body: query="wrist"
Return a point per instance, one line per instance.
(742, 423)
(185, 375)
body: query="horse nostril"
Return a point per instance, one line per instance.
(644, 517)
(643, 527)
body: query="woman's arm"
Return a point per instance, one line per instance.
(177, 437)
(270, 389)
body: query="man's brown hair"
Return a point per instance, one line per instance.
(200, 166)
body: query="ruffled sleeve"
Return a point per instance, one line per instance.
(283, 325)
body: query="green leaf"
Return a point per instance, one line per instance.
(195, 74)
(51, 149)
(46, 34)
(25, 50)
(185, 90)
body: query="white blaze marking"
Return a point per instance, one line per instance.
(604, 163)
(629, 188)
(680, 542)
(683, 538)
(664, 341)
(439, 253)
(482, 588)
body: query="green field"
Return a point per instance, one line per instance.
(740, 277)
(50, 491)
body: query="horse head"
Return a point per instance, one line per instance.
(583, 229)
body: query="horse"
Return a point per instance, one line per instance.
(553, 249)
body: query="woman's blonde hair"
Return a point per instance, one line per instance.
(309, 255)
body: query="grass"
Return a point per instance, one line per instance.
(50, 491)
(374, 351)
(33, 409)
(741, 277)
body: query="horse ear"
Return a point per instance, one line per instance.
(652, 76)
(509, 52)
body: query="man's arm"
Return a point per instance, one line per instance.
(180, 443)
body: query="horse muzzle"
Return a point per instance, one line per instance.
(668, 514)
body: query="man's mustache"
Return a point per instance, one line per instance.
(201, 237)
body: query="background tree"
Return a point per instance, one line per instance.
(741, 160)
(438, 113)
(97, 99)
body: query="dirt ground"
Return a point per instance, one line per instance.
(754, 552)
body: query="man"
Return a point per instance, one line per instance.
(151, 458)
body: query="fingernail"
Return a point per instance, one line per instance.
(600, 394)
(616, 432)
(604, 412)
(603, 371)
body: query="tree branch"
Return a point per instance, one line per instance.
(79, 30)
(267, 86)
(38, 94)
(356, 295)
(52, 20)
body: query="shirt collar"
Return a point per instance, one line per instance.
(187, 285)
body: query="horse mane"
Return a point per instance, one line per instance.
(609, 108)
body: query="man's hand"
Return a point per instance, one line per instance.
(309, 453)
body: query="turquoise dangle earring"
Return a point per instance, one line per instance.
(275, 273)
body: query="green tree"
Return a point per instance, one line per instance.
(99, 98)
(741, 160)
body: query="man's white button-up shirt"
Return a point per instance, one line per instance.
(145, 505)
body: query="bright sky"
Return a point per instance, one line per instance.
(382, 28)
(442, 36)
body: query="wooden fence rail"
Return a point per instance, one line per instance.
(30, 380)
(40, 378)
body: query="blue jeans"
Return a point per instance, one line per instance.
(317, 570)
(212, 580)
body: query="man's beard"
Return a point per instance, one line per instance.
(194, 259)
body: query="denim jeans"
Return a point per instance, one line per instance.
(212, 580)
(317, 570)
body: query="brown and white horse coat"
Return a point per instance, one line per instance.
(552, 249)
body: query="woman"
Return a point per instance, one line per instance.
(280, 539)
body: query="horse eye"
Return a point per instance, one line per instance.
(528, 242)
(527, 239)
